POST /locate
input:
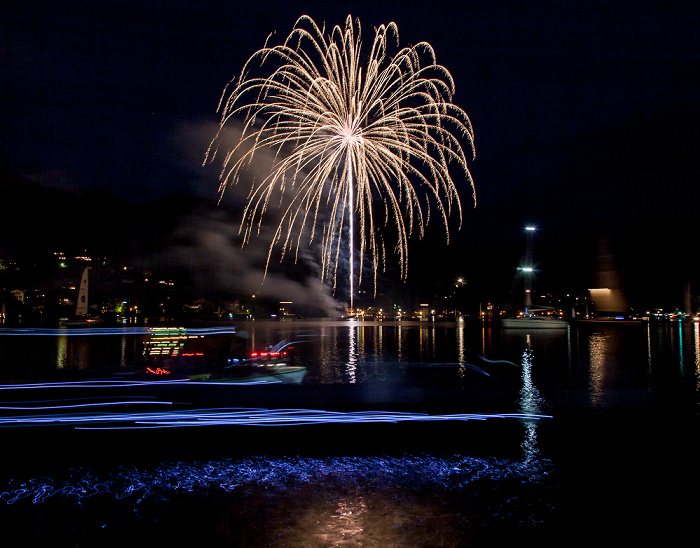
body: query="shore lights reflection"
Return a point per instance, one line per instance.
(351, 369)
(696, 329)
(530, 402)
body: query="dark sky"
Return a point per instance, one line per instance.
(585, 113)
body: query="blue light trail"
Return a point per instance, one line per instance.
(110, 383)
(239, 417)
(89, 331)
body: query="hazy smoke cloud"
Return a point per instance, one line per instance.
(192, 141)
(207, 243)
(207, 246)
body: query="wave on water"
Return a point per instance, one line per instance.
(170, 479)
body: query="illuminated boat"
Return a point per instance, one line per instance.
(532, 321)
(534, 317)
(176, 353)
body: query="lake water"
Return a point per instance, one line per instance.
(400, 434)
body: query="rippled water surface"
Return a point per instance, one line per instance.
(399, 434)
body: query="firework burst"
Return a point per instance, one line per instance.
(355, 132)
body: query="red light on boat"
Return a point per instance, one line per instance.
(157, 371)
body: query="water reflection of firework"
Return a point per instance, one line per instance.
(349, 128)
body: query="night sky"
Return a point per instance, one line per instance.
(585, 113)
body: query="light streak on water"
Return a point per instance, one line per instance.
(91, 331)
(110, 383)
(76, 406)
(237, 417)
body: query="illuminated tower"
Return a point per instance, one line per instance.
(528, 269)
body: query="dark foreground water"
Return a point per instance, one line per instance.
(400, 434)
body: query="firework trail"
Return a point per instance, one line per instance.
(358, 132)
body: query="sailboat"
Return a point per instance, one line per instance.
(534, 317)
(82, 315)
(81, 309)
(533, 321)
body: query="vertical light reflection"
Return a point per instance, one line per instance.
(597, 347)
(460, 343)
(680, 347)
(530, 402)
(253, 344)
(351, 366)
(79, 352)
(649, 347)
(61, 352)
(529, 396)
(696, 329)
(122, 358)
(486, 338)
(361, 341)
(345, 525)
(422, 343)
(326, 353)
(483, 338)
(399, 341)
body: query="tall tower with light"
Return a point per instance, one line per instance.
(528, 269)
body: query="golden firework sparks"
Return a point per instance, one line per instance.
(349, 128)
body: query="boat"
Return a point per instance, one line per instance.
(178, 354)
(82, 316)
(532, 321)
(612, 319)
(534, 317)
